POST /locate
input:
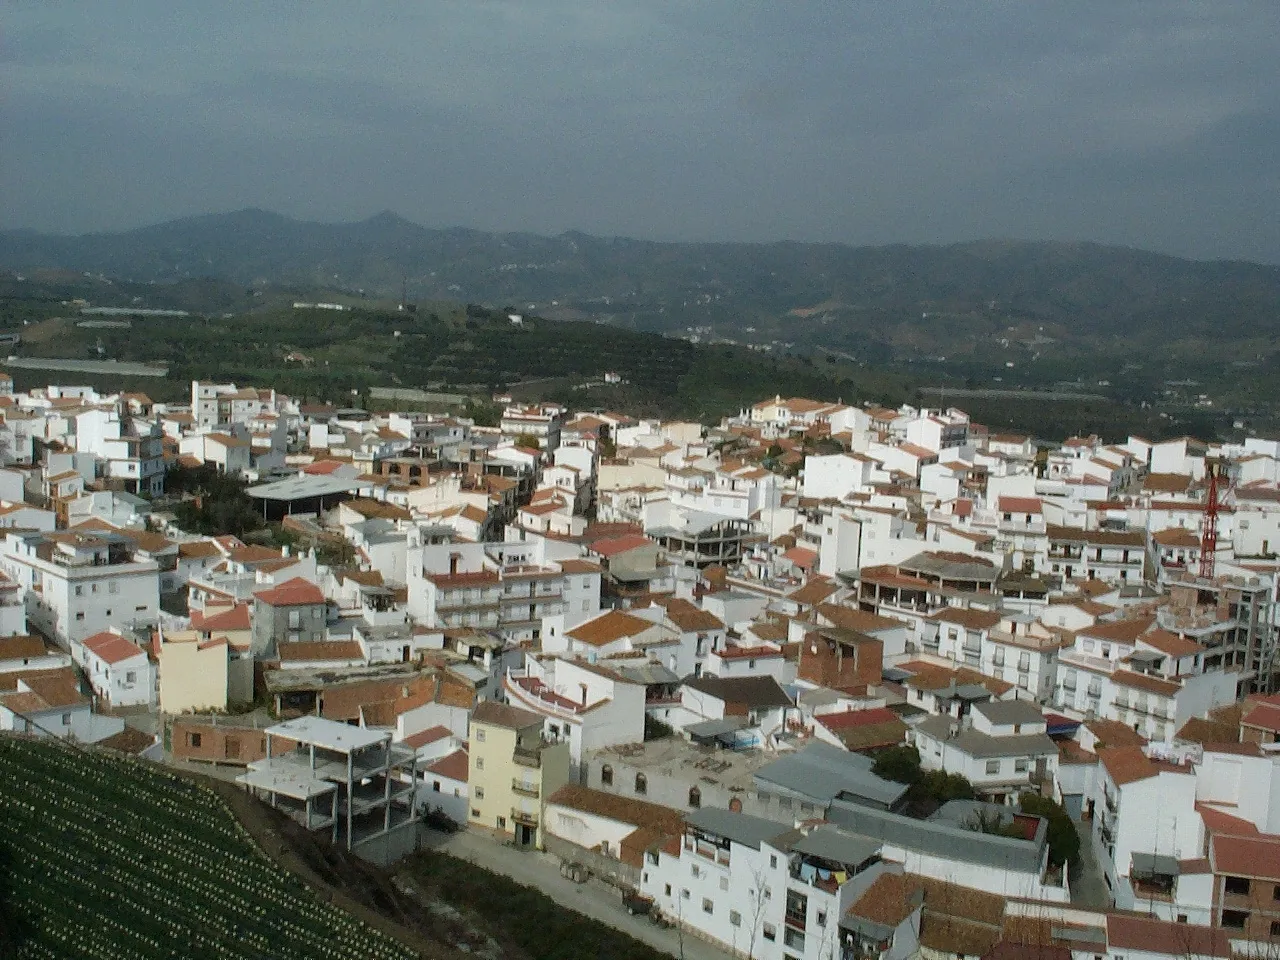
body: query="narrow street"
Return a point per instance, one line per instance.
(592, 899)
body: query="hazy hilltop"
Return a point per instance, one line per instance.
(874, 302)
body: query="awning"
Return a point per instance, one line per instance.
(1154, 863)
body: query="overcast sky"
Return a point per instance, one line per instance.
(1154, 124)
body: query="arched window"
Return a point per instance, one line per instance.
(606, 776)
(735, 805)
(642, 784)
(695, 797)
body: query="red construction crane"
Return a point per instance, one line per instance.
(1219, 490)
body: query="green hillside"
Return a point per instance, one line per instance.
(113, 859)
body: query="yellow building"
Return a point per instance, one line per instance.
(512, 770)
(194, 672)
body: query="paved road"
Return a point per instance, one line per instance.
(1088, 889)
(593, 899)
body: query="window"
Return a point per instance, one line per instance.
(642, 784)
(735, 918)
(1237, 886)
(435, 786)
(479, 736)
(1235, 919)
(993, 766)
(773, 861)
(79, 591)
(93, 588)
(502, 823)
(735, 805)
(793, 939)
(724, 883)
(695, 871)
(131, 676)
(479, 793)
(479, 763)
(1275, 928)
(586, 606)
(667, 889)
(194, 740)
(708, 906)
(695, 797)
(113, 587)
(1020, 766)
(770, 932)
(1275, 892)
(684, 894)
(475, 812)
(80, 616)
(295, 619)
(822, 918)
(606, 776)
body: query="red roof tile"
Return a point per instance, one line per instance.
(292, 593)
(455, 766)
(111, 647)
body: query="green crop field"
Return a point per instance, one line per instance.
(114, 858)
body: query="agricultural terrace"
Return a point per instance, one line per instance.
(114, 858)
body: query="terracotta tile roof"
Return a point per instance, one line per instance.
(1113, 733)
(865, 729)
(346, 701)
(891, 898)
(54, 688)
(235, 618)
(638, 813)
(1177, 537)
(423, 737)
(579, 566)
(1262, 712)
(1167, 482)
(1141, 681)
(22, 648)
(801, 557)
(613, 547)
(958, 920)
(1019, 505)
(128, 740)
(377, 508)
(1128, 764)
(302, 651)
(197, 549)
(472, 578)
(1220, 726)
(494, 714)
(1146, 935)
(689, 617)
(1120, 631)
(1170, 643)
(111, 647)
(292, 593)
(815, 590)
(609, 627)
(324, 467)
(251, 555)
(455, 766)
(850, 618)
(968, 617)
(1219, 822)
(933, 677)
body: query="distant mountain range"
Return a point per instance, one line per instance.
(880, 303)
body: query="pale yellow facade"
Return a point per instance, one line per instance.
(512, 771)
(194, 676)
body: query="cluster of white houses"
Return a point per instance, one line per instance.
(672, 652)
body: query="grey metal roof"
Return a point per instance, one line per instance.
(739, 827)
(838, 846)
(984, 746)
(756, 692)
(1002, 712)
(941, 839)
(716, 728)
(1155, 863)
(823, 772)
(950, 569)
(301, 487)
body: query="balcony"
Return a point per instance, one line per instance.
(524, 814)
(524, 788)
(532, 694)
(527, 756)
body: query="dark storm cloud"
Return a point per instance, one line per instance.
(1146, 124)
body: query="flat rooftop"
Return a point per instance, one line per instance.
(328, 734)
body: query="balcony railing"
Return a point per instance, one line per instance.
(524, 788)
(527, 756)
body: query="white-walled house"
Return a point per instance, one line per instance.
(1001, 747)
(119, 670)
